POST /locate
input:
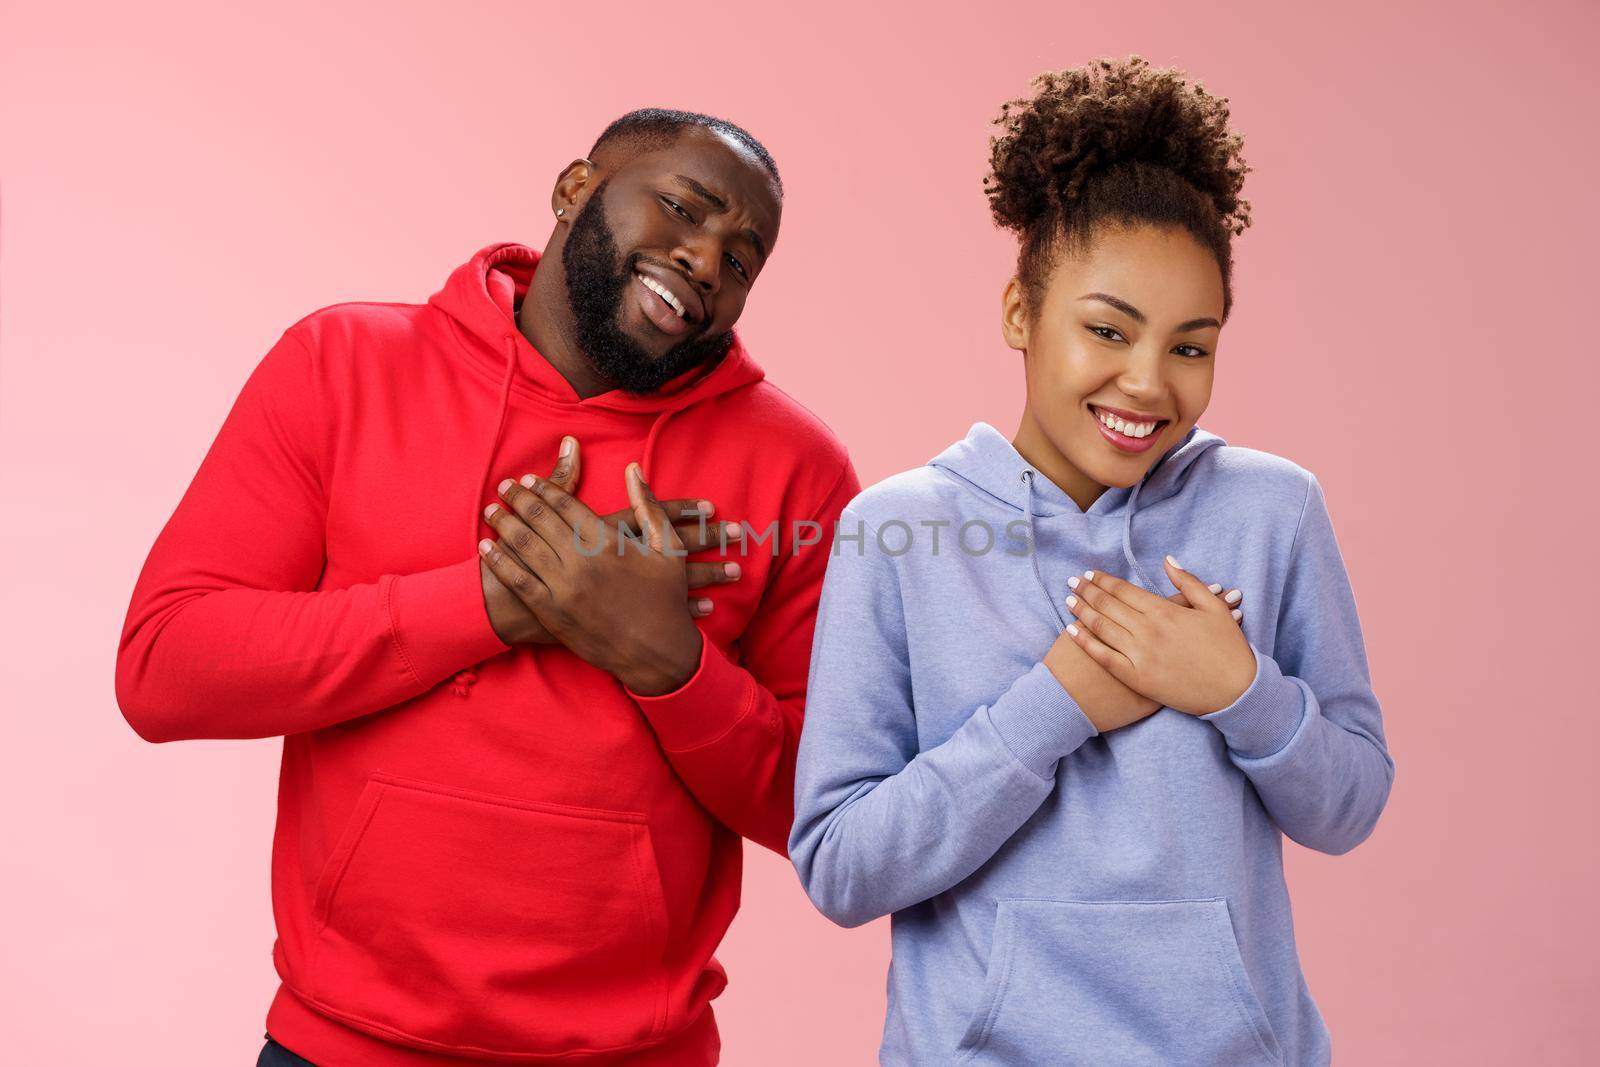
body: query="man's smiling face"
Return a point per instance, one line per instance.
(663, 254)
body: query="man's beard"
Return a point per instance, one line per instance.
(596, 283)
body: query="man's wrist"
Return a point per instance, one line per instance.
(678, 660)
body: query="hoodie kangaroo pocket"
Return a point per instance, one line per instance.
(466, 922)
(1117, 982)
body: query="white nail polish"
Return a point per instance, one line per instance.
(1234, 597)
(1215, 587)
(1237, 614)
(1072, 583)
(1175, 564)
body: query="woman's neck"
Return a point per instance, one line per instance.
(1032, 444)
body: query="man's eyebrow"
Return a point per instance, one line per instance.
(702, 192)
(755, 239)
(722, 205)
(1138, 316)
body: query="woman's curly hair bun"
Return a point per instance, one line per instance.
(1106, 141)
(1088, 119)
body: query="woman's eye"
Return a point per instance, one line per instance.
(1198, 353)
(1107, 332)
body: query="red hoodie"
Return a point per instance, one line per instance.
(482, 852)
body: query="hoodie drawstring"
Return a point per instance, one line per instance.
(1127, 545)
(650, 441)
(1127, 539)
(465, 679)
(1033, 551)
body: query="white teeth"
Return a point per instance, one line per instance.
(1127, 429)
(663, 292)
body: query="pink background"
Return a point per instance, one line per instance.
(179, 184)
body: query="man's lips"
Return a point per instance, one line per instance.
(694, 307)
(658, 311)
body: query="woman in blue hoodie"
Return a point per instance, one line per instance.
(1062, 763)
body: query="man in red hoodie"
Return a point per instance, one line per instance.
(514, 781)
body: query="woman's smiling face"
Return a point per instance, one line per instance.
(1126, 328)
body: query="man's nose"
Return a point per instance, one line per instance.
(698, 259)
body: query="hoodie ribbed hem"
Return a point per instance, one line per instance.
(1039, 721)
(326, 1040)
(1265, 716)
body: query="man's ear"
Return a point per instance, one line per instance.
(1014, 316)
(570, 186)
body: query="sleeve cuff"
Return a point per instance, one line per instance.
(715, 698)
(1265, 716)
(1040, 721)
(439, 622)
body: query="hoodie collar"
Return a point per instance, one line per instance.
(987, 462)
(480, 299)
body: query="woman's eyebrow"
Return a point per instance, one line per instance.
(1138, 316)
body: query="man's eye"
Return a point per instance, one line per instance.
(738, 266)
(676, 207)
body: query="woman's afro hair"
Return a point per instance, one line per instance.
(1115, 141)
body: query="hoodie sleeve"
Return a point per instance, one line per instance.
(1308, 732)
(227, 635)
(732, 730)
(880, 824)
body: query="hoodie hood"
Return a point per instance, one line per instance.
(987, 462)
(479, 301)
(480, 298)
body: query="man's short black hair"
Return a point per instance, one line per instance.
(650, 128)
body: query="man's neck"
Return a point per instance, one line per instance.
(545, 319)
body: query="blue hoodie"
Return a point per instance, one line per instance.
(1060, 895)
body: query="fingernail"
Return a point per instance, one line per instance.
(1089, 575)
(1072, 583)
(489, 511)
(703, 604)
(705, 507)
(1072, 601)
(1071, 629)
(566, 447)
(1234, 597)
(1237, 614)
(485, 546)
(529, 481)
(505, 486)
(1215, 587)
(731, 570)
(733, 531)
(1175, 564)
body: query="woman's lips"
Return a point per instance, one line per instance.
(1121, 441)
(656, 310)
